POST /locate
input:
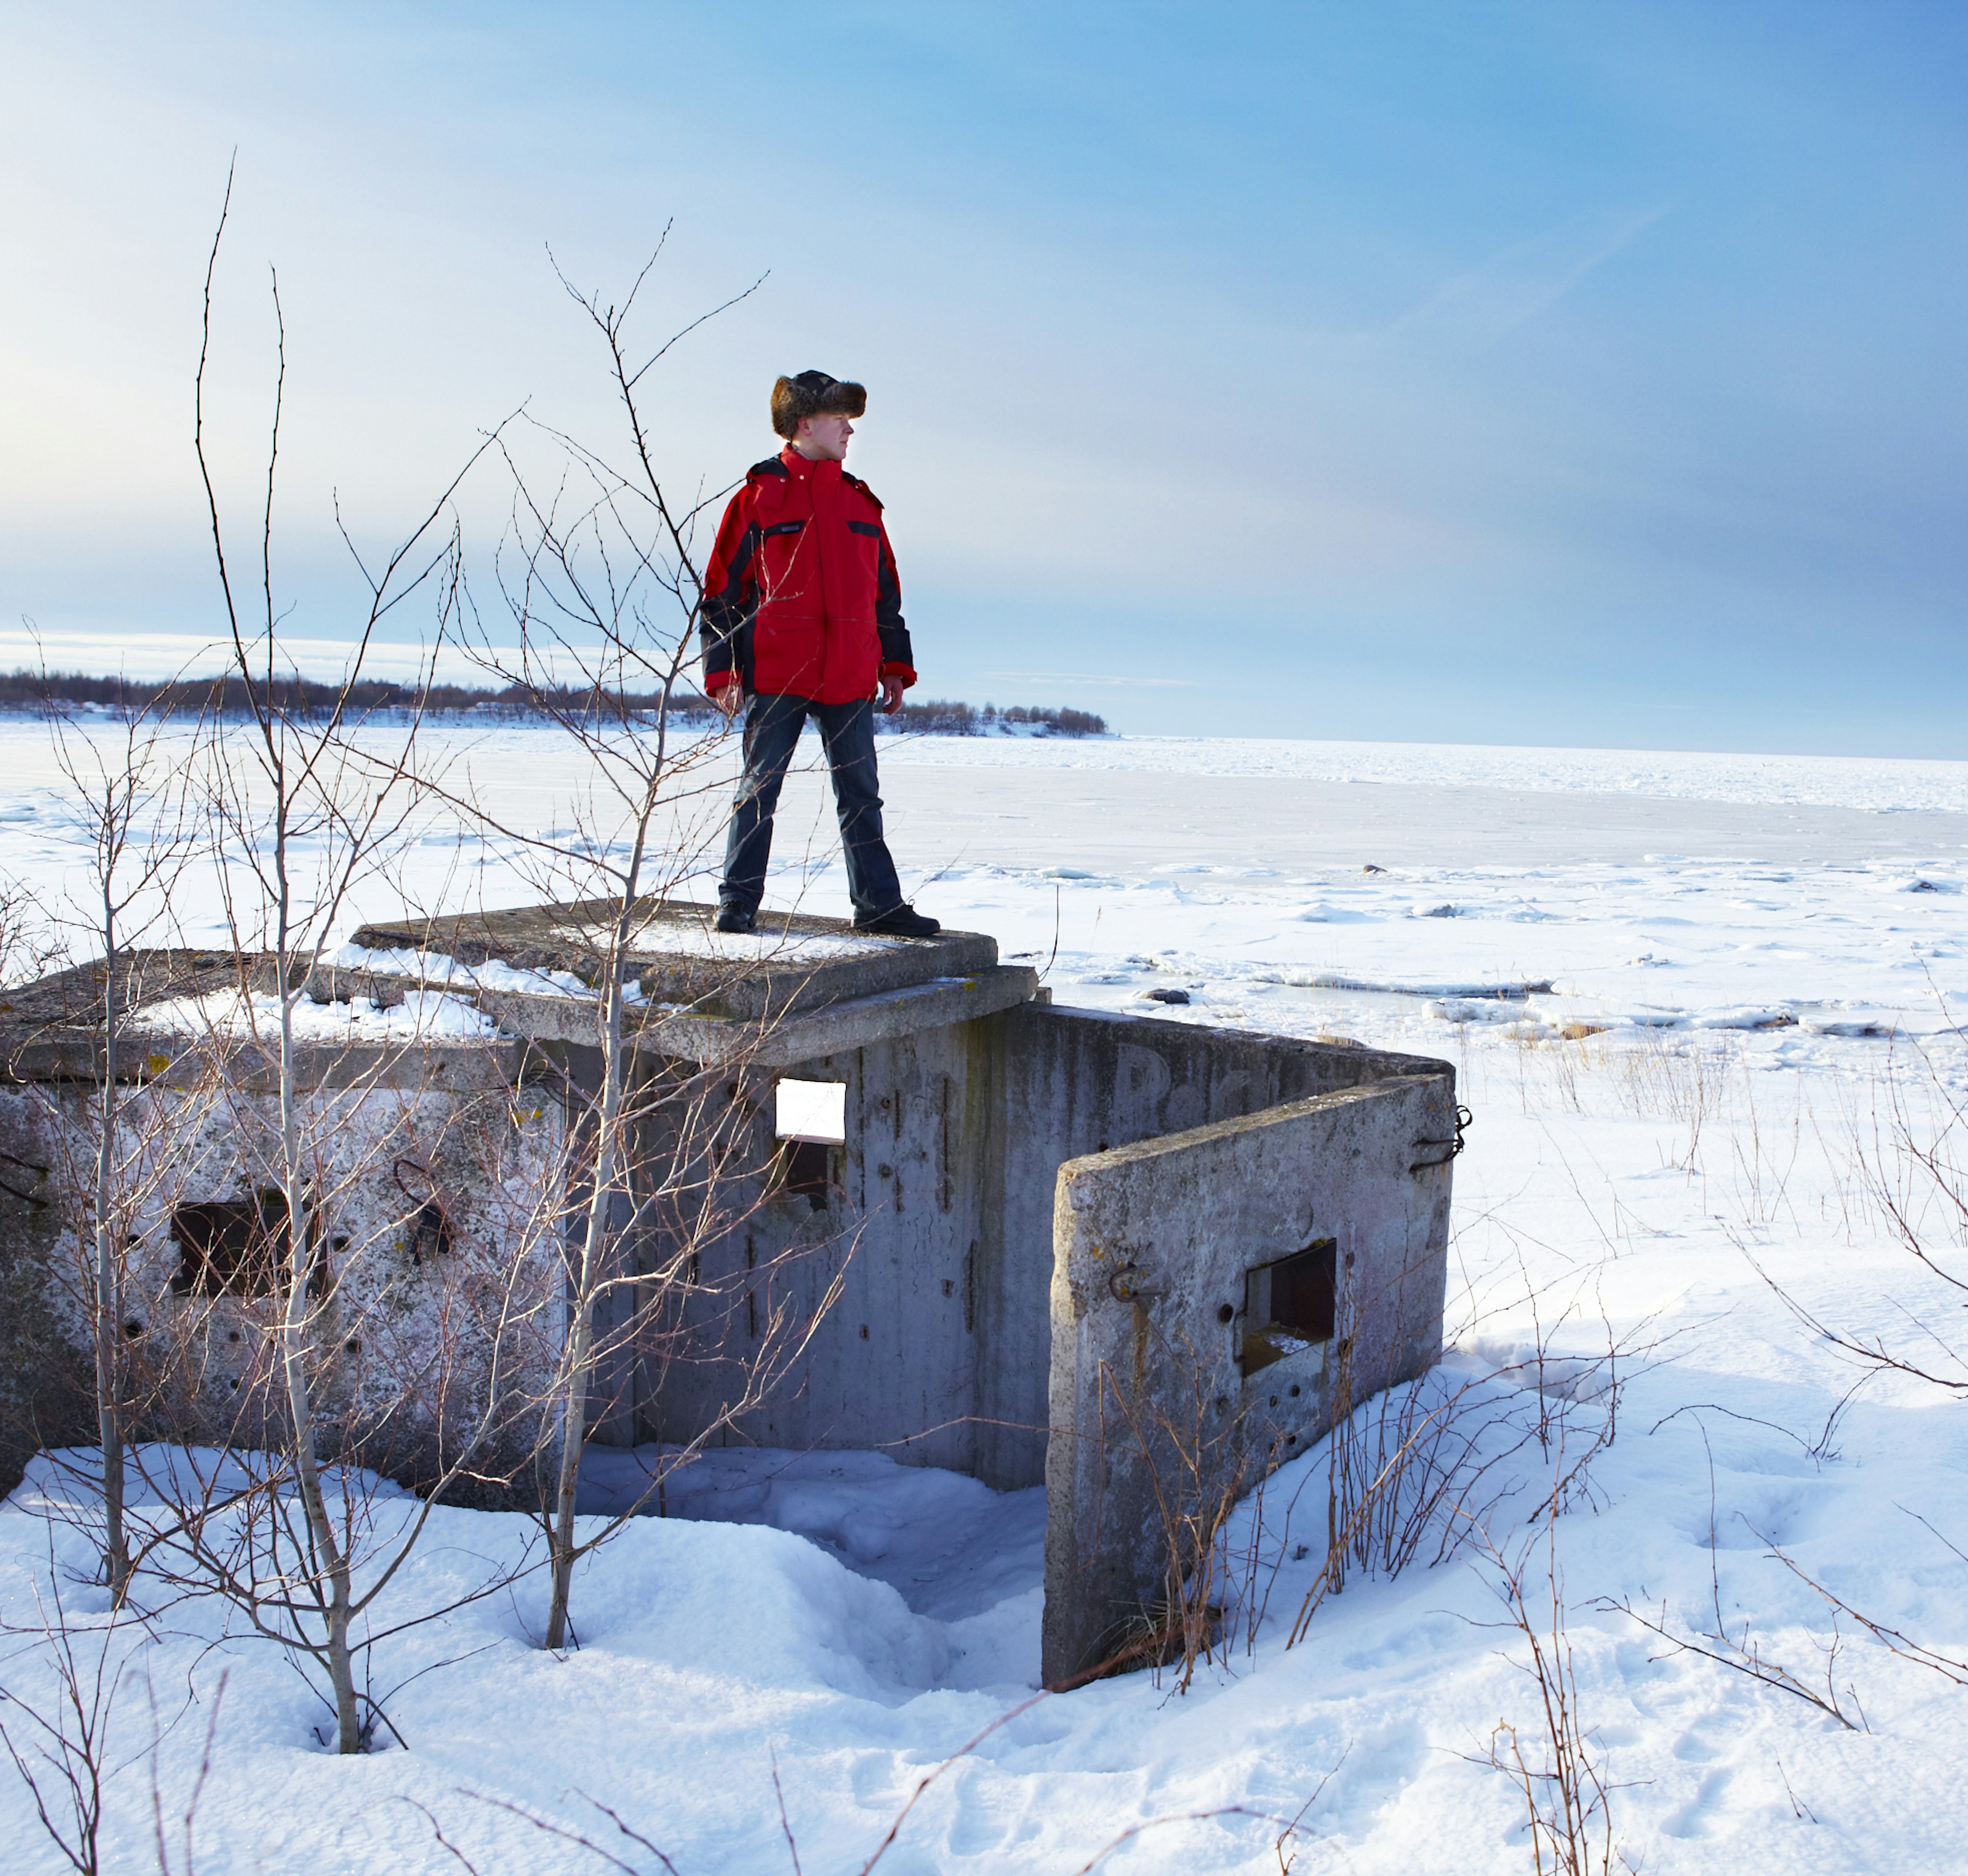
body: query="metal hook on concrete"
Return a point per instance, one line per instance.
(1465, 1120)
(1131, 1292)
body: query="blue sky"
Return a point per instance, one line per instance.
(1544, 373)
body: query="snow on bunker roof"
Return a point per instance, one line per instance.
(791, 962)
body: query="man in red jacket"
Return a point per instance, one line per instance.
(802, 616)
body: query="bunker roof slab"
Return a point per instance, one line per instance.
(792, 962)
(798, 988)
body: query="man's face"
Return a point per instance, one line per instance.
(824, 438)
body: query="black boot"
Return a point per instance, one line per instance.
(898, 922)
(739, 918)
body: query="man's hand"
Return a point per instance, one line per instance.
(730, 698)
(892, 696)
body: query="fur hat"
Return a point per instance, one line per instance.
(814, 394)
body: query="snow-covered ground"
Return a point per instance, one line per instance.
(1737, 960)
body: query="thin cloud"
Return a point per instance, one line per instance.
(1099, 677)
(102, 651)
(1474, 310)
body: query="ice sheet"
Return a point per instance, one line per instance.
(1872, 784)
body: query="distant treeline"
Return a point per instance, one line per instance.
(934, 717)
(231, 696)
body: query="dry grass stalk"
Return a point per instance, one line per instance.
(1567, 1802)
(1199, 1462)
(1891, 1639)
(1907, 1152)
(1422, 1474)
(187, 1821)
(1741, 1651)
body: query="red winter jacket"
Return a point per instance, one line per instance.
(801, 598)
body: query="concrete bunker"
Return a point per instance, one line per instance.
(1103, 1253)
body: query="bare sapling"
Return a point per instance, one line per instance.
(598, 596)
(423, 1323)
(31, 941)
(52, 1408)
(60, 1680)
(304, 810)
(64, 1678)
(130, 788)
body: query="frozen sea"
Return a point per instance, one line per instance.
(1687, 996)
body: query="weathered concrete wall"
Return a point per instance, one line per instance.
(413, 1331)
(1077, 1082)
(937, 1343)
(886, 1264)
(46, 1383)
(1153, 1421)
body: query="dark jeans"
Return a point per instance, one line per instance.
(773, 726)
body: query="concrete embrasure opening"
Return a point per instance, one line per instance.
(811, 1121)
(1288, 1304)
(232, 1247)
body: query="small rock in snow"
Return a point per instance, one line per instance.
(1164, 995)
